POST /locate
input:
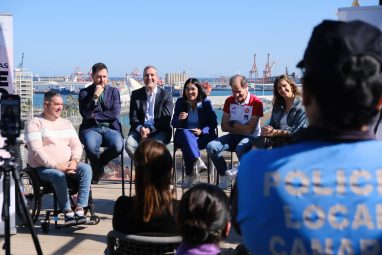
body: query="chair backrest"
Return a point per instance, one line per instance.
(141, 244)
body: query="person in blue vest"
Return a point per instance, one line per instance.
(322, 195)
(195, 122)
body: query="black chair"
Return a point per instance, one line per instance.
(34, 189)
(141, 244)
(131, 176)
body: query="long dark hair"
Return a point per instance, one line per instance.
(153, 164)
(201, 93)
(278, 101)
(203, 214)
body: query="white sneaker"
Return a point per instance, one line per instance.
(224, 182)
(189, 180)
(231, 173)
(201, 166)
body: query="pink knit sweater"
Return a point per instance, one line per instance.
(51, 142)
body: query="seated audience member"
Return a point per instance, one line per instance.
(54, 151)
(203, 220)
(321, 195)
(241, 119)
(150, 112)
(152, 208)
(288, 114)
(195, 122)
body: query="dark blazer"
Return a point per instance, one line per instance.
(162, 110)
(107, 111)
(207, 117)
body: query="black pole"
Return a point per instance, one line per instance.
(5, 213)
(26, 213)
(7, 168)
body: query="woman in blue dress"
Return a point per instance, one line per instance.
(195, 122)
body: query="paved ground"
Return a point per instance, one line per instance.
(87, 239)
(91, 239)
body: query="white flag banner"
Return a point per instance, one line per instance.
(6, 52)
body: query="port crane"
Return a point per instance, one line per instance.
(268, 68)
(253, 73)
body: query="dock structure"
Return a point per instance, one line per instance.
(218, 101)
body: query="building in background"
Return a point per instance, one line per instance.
(176, 79)
(23, 84)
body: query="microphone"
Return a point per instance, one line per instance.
(186, 106)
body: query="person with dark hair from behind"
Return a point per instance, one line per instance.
(152, 208)
(322, 194)
(195, 122)
(203, 220)
(100, 108)
(288, 115)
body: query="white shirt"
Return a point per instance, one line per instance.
(149, 116)
(283, 121)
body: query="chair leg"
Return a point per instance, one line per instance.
(131, 176)
(174, 171)
(55, 212)
(182, 165)
(208, 169)
(123, 173)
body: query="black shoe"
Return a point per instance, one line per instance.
(69, 218)
(80, 216)
(97, 175)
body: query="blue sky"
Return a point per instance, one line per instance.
(205, 38)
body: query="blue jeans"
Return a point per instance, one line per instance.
(134, 138)
(231, 142)
(93, 139)
(60, 185)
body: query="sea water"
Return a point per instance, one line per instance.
(38, 102)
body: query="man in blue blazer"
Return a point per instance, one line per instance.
(100, 108)
(150, 112)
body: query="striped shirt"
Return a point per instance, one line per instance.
(51, 142)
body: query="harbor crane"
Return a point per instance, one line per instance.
(21, 64)
(253, 73)
(268, 68)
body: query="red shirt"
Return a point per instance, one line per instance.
(242, 113)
